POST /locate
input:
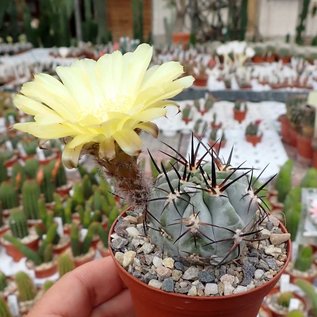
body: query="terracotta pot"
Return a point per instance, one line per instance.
(47, 160)
(274, 309)
(180, 38)
(304, 147)
(187, 120)
(201, 81)
(253, 139)
(15, 253)
(292, 136)
(216, 145)
(44, 270)
(62, 247)
(80, 260)
(285, 127)
(102, 250)
(285, 59)
(258, 59)
(10, 162)
(239, 115)
(64, 190)
(149, 301)
(309, 276)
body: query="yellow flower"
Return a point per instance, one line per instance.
(101, 102)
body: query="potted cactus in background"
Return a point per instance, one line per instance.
(20, 231)
(311, 294)
(252, 132)
(65, 264)
(26, 292)
(240, 111)
(187, 213)
(4, 309)
(303, 266)
(187, 114)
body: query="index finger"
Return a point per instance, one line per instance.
(79, 291)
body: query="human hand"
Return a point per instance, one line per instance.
(92, 290)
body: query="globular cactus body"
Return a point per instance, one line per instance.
(65, 264)
(8, 196)
(202, 210)
(18, 224)
(304, 259)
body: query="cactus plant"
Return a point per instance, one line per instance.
(87, 186)
(46, 181)
(30, 197)
(176, 226)
(59, 173)
(26, 287)
(65, 264)
(79, 247)
(310, 179)
(8, 196)
(18, 224)
(292, 210)
(284, 299)
(310, 292)
(3, 169)
(45, 252)
(3, 282)
(4, 309)
(304, 258)
(18, 176)
(295, 313)
(47, 285)
(31, 168)
(283, 182)
(1, 216)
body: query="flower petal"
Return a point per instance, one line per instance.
(70, 156)
(129, 141)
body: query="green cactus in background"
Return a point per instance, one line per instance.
(87, 186)
(92, 174)
(137, 12)
(304, 258)
(209, 103)
(79, 247)
(310, 179)
(47, 182)
(18, 176)
(29, 147)
(31, 168)
(283, 182)
(59, 173)
(3, 282)
(26, 287)
(295, 313)
(3, 169)
(1, 216)
(8, 196)
(103, 234)
(4, 309)
(203, 209)
(65, 264)
(284, 299)
(47, 285)
(30, 197)
(78, 196)
(18, 224)
(310, 292)
(292, 211)
(45, 252)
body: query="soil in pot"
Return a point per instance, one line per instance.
(165, 286)
(309, 275)
(44, 270)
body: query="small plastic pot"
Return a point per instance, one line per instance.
(149, 301)
(253, 139)
(239, 115)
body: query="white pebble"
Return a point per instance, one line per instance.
(155, 283)
(258, 274)
(168, 262)
(119, 257)
(132, 231)
(240, 289)
(192, 291)
(211, 289)
(128, 258)
(157, 261)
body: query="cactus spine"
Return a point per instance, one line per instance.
(65, 264)
(18, 224)
(202, 209)
(4, 310)
(304, 258)
(30, 196)
(26, 288)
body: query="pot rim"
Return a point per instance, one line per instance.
(199, 298)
